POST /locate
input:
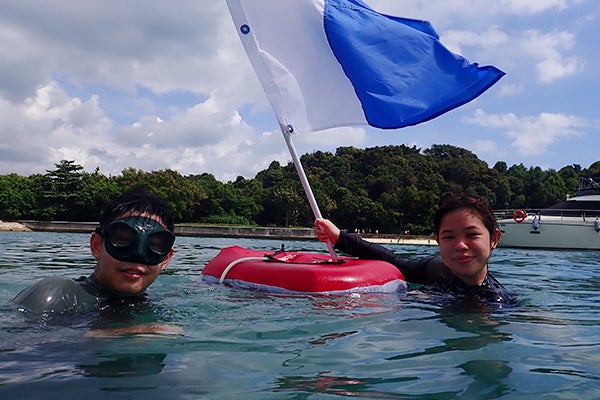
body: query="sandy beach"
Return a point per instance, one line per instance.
(13, 226)
(402, 240)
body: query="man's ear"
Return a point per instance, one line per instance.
(163, 264)
(96, 243)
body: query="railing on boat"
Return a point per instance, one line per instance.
(584, 214)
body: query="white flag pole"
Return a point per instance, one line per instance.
(287, 135)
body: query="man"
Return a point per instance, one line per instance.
(132, 246)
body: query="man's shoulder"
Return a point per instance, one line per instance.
(56, 294)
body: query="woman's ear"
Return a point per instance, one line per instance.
(495, 239)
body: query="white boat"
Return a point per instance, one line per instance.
(570, 224)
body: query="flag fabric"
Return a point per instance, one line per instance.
(329, 63)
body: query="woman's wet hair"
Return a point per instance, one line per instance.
(138, 201)
(476, 204)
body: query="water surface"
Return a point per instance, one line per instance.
(235, 344)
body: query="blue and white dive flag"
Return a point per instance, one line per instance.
(329, 63)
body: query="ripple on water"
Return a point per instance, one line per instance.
(232, 343)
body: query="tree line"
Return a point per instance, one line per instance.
(389, 189)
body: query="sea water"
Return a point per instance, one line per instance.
(224, 343)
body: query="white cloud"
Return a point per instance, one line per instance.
(332, 138)
(491, 38)
(520, 7)
(546, 49)
(457, 10)
(49, 126)
(101, 83)
(511, 89)
(485, 146)
(531, 135)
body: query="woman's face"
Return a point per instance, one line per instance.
(466, 245)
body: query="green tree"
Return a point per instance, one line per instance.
(516, 176)
(95, 193)
(61, 195)
(17, 200)
(570, 176)
(286, 205)
(226, 203)
(180, 192)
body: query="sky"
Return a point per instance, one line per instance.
(167, 85)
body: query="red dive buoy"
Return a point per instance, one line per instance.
(299, 272)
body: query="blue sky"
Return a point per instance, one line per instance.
(167, 85)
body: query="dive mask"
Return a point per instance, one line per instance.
(138, 240)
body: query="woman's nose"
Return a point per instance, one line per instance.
(460, 244)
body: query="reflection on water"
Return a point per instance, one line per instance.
(481, 331)
(488, 379)
(476, 329)
(194, 340)
(122, 365)
(337, 385)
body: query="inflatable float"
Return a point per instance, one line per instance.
(300, 272)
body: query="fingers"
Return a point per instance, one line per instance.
(320, 224)
(326, 230)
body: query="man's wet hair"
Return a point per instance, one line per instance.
(138, 201)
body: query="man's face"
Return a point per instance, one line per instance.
(127, 255)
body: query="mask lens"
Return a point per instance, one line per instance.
(121, 235)
(161, 242)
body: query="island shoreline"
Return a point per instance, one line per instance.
(194, 230)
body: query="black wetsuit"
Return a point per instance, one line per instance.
(59, 294)
(429, 272)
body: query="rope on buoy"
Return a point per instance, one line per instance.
(239, 260)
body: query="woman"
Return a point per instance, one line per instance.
(466, 231)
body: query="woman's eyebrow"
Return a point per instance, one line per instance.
(466, 228)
